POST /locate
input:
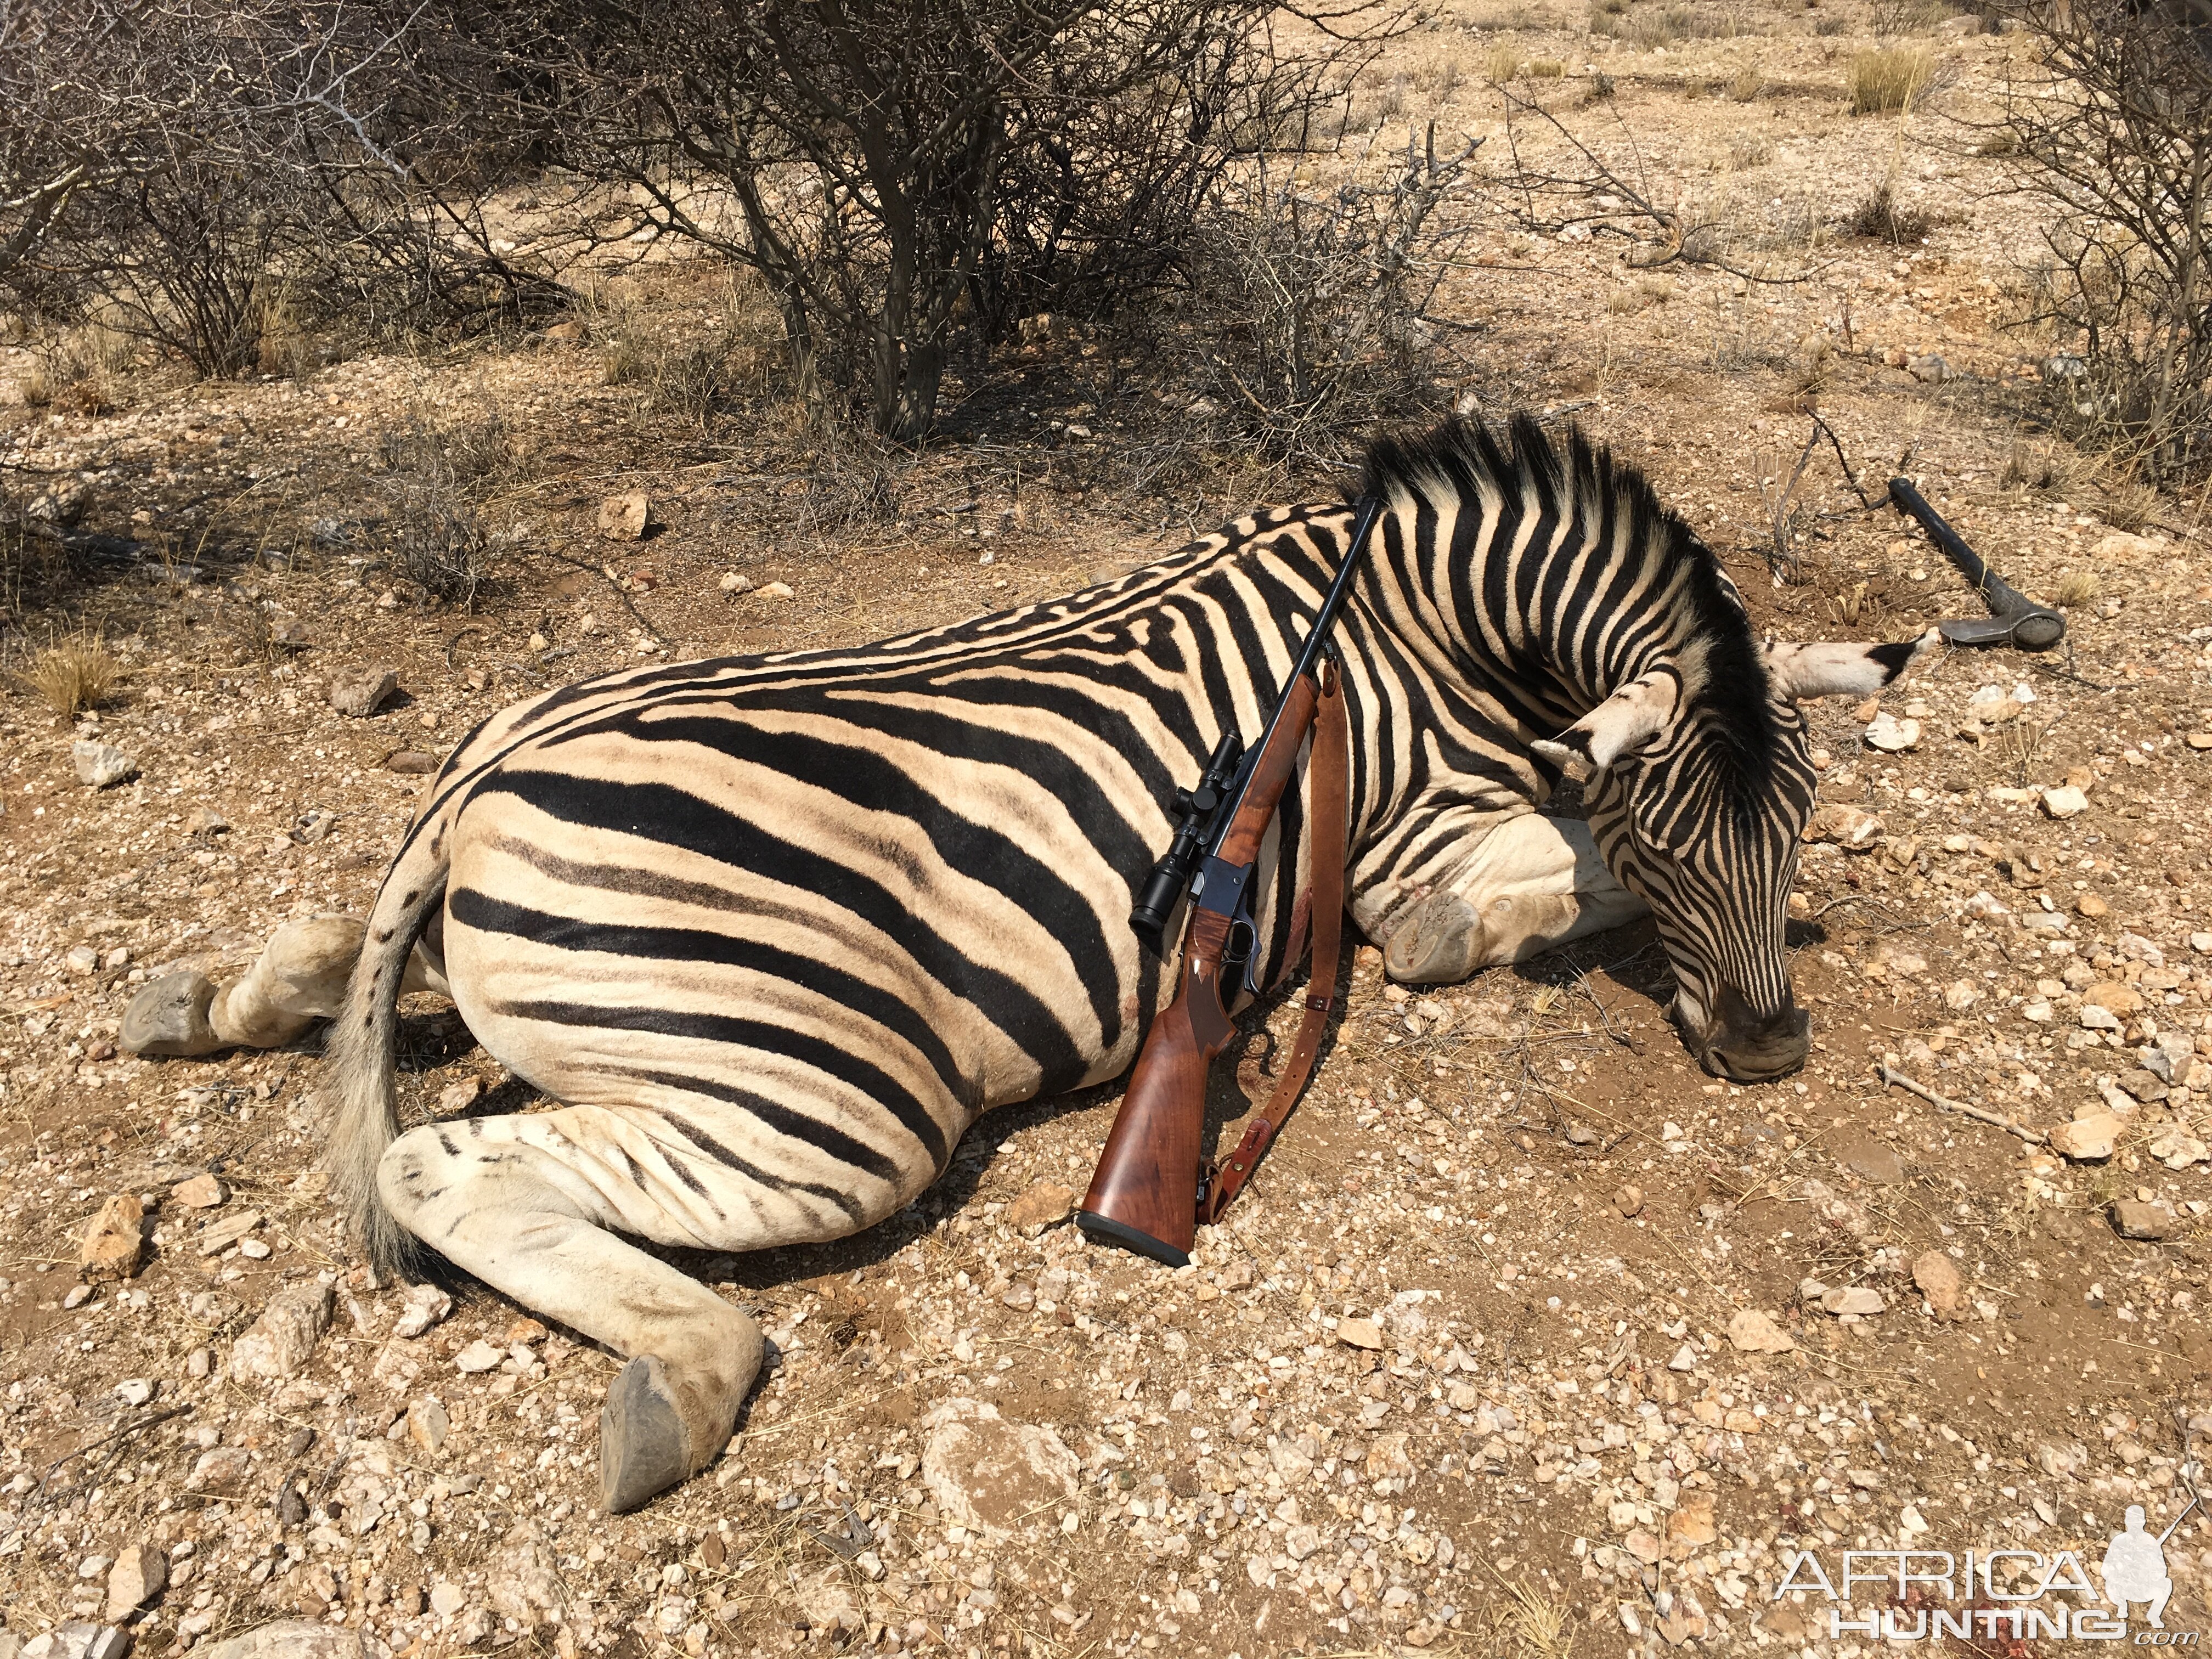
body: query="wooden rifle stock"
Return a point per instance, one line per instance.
(1143, 1195)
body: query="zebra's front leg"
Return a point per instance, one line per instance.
(1529, 886)
(526, 1204)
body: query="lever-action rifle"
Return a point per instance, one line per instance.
(1149, 1192)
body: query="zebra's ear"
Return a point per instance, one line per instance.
(1832, 670)
(1623, 723)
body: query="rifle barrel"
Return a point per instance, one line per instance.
(1368, 510)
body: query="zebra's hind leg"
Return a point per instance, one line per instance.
(299, 978)
(1529, 886)
(526, 1204)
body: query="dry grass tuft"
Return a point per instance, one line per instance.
(2027, 468)
(1502, 65)
(1816, 367)
(1748, 150)
(1746, 86)
(1890, 80)
(73, 674)
(1879, 218)
(2129, 504)
(1537, 1622)
(2077, 588)
(1546, 69)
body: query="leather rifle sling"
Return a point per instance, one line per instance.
(1330, 775)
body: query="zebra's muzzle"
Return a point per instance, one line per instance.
(1747, 1046)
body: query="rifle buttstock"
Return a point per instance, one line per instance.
(1143, 1195)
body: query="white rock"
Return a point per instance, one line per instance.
(425, 1305)
(101, 765)
(990, 1475)
(1753, 1331)
(1685, 1359)
(2065, 801)
(2096, 1019)
(2087, 1139)
(140, 1574)
(525, 1578)
(447, 1599)
(2177, 1149)
(428, 1424)
(223, 1470)
(478, 1355)
(1860, 1299)
(1892, 735)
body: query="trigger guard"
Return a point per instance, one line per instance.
(1244, 937)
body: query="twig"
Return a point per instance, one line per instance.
(1899, 1080)
(1821, 427)
(126, 1432)
(600, 571)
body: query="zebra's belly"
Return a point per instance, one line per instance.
(858, 985)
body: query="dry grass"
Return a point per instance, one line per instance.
(1880, 218)
(73, 674)
(1816, 367)
(2129, 504)
(1502, 65)
(2028, 469)
(1645, 291)
(1890, 80)
(1537, 1622)
(79, 370)
(2077, 588)
(1746, 85)
(1546, 69)
(285, 347)
(1747, 151)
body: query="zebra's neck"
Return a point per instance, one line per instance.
(1547, 580)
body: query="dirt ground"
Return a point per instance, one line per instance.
(1469, 1369)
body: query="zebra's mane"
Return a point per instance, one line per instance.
(1462, 456)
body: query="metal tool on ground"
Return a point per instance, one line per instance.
(2013, 619)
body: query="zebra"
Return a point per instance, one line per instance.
(777, 929)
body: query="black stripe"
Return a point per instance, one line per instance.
(861, 1075)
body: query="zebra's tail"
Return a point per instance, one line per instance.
(361, 1071)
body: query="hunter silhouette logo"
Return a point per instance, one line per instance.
(2134, 1567)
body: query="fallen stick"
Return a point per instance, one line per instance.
(1899, 1080)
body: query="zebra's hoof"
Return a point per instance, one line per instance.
(641, 1450)
(1440, 943)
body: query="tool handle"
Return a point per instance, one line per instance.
(2030, 626)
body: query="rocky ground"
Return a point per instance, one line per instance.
(1530, 1339)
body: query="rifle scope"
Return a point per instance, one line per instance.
(1164, 889)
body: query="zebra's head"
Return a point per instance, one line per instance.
(1700, 784)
